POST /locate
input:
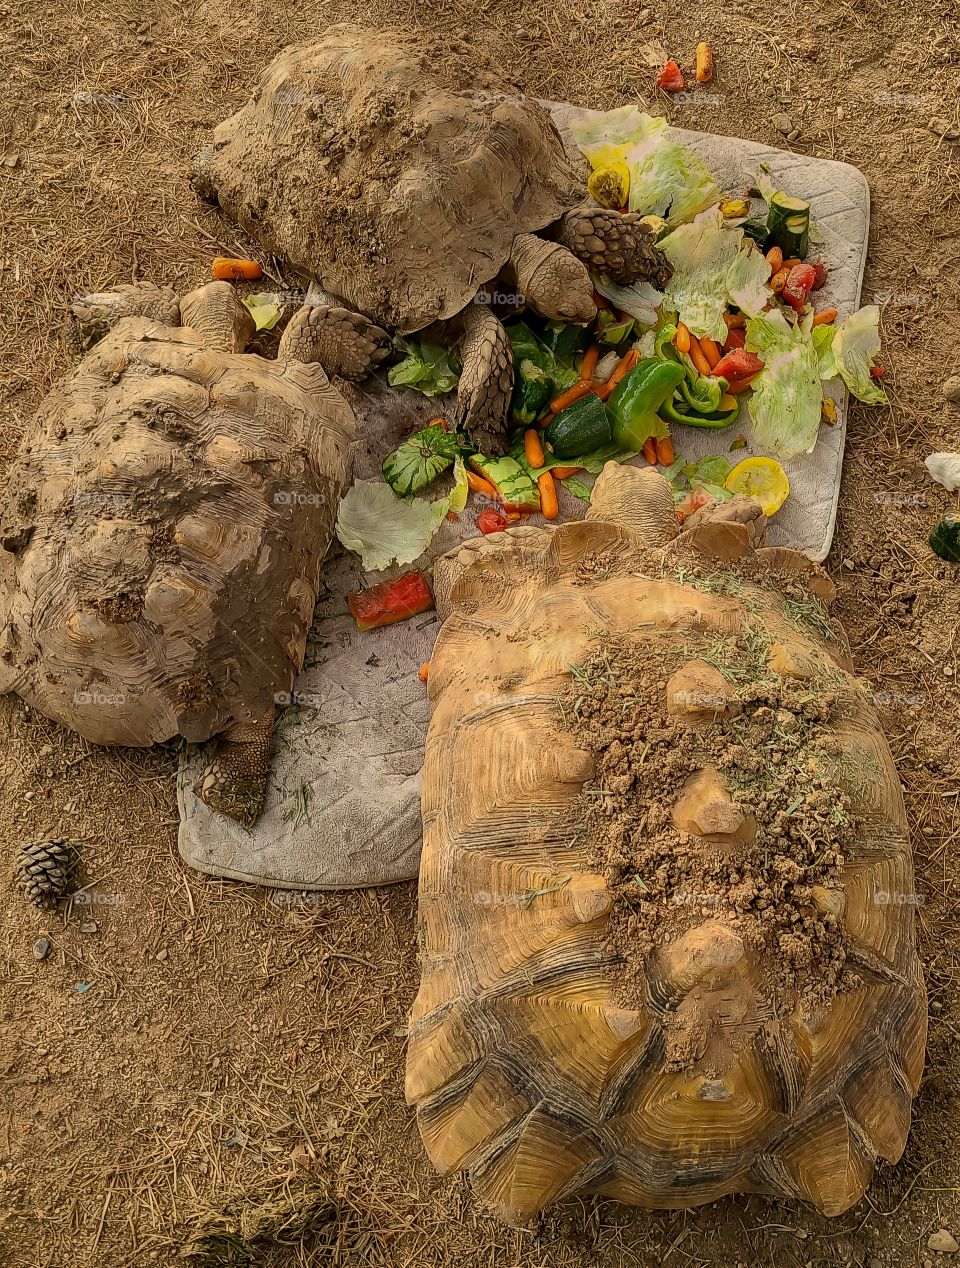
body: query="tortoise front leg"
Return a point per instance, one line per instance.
(94, 313)
(343, 342)
(235, 780)
(486, 380)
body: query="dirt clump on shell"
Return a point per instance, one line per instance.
(769, 867)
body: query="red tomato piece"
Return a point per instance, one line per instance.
(736, 338)
(391, 601)
(671, 78)
(820, 269)
(799, 284)
(877, 371)
(737, 364)
(491, 521)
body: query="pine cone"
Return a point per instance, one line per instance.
(615, 243)
(43, 870)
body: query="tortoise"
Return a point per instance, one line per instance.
(396, 171)
(163, 527)
(666, 895)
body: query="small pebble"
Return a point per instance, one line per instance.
(944, 129)
(840, 112)
(792, 136)
(948, 670)
(522, 33)
(951, 389)
(162, 955)
(783, 123)
(89, 926)
(936, 1006)
(944, 1241)
(41, 948)
(848, 564)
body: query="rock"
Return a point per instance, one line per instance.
(951, 388)
(936, 1006)
(944, 1241)
(88, 926)
(162, 955)
(792, 136)
(41, 948)
(944, 129)
(840, 113)
(783, 123)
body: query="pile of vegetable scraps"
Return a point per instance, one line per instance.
(736, 329)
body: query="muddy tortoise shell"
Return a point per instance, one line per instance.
(163, 527)
(523, 1066)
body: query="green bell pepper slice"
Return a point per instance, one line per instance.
(670, 412)
(637, 398)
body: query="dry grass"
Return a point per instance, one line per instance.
(228, 1045)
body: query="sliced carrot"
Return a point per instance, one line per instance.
(791, 263)
(589, 362)
(561, 473)
(698, 359)
(774, 258)
(627, 362)
(224, 269)
(665, 454)
(825, 316)
(710, 350)
(424, 671)
(682, 338)
(533, 448)
(438, 422)
(779, 280)
(549, 508)
(734, 321)
(650, 451)
(570, 395)
(478, 485)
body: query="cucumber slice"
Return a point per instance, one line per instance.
(788, 223)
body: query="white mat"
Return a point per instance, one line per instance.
(343, 803)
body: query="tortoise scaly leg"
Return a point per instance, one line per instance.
(618, 245)
(550, 279)
(235, 780)
(637, 498)
(343, 342)
(215, 312)
(94, 313)
(486, 380)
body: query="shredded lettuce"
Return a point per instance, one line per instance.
(709, 473)
(855, 344)
(713, 266)
(666, 179)
(265, 309)
(787, 394)
(429, 368)
(823, 344)
(384, 529)
(641, 300)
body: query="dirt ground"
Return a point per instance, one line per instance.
(188, 1041)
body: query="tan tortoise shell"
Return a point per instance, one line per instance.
(522, 1066)
(164, 525)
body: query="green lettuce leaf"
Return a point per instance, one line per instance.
(855, 344)
(823, 344)
(666, 179)
(384, 529)
(641, 300)
(713, 266)
(787, 393)
(427, 367)
(265, 309)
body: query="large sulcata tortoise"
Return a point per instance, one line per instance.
(666, 891)
(163, 528)
(394, 169)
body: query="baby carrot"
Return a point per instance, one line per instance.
(650, 451)
(774, 258)
(224, 269)
(704, 62)
(533, 448)
(549, 507)
(740, 385)
(682, 338)
(697, 357)
(779, 279)
(438, 422)
(478, 485)
(665, 453)
(792, 263)
(627, 362)
(424, 671)
(561, 473)
(710, 350)
(825, 316)
(570, 395)
(589, 362)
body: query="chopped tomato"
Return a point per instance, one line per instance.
(692, 502)
(737, 365)
(877, 371)
(736, 338)
(671, 78)
(799, 284)
(820, 272)
(391, 601)
(491, 521)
